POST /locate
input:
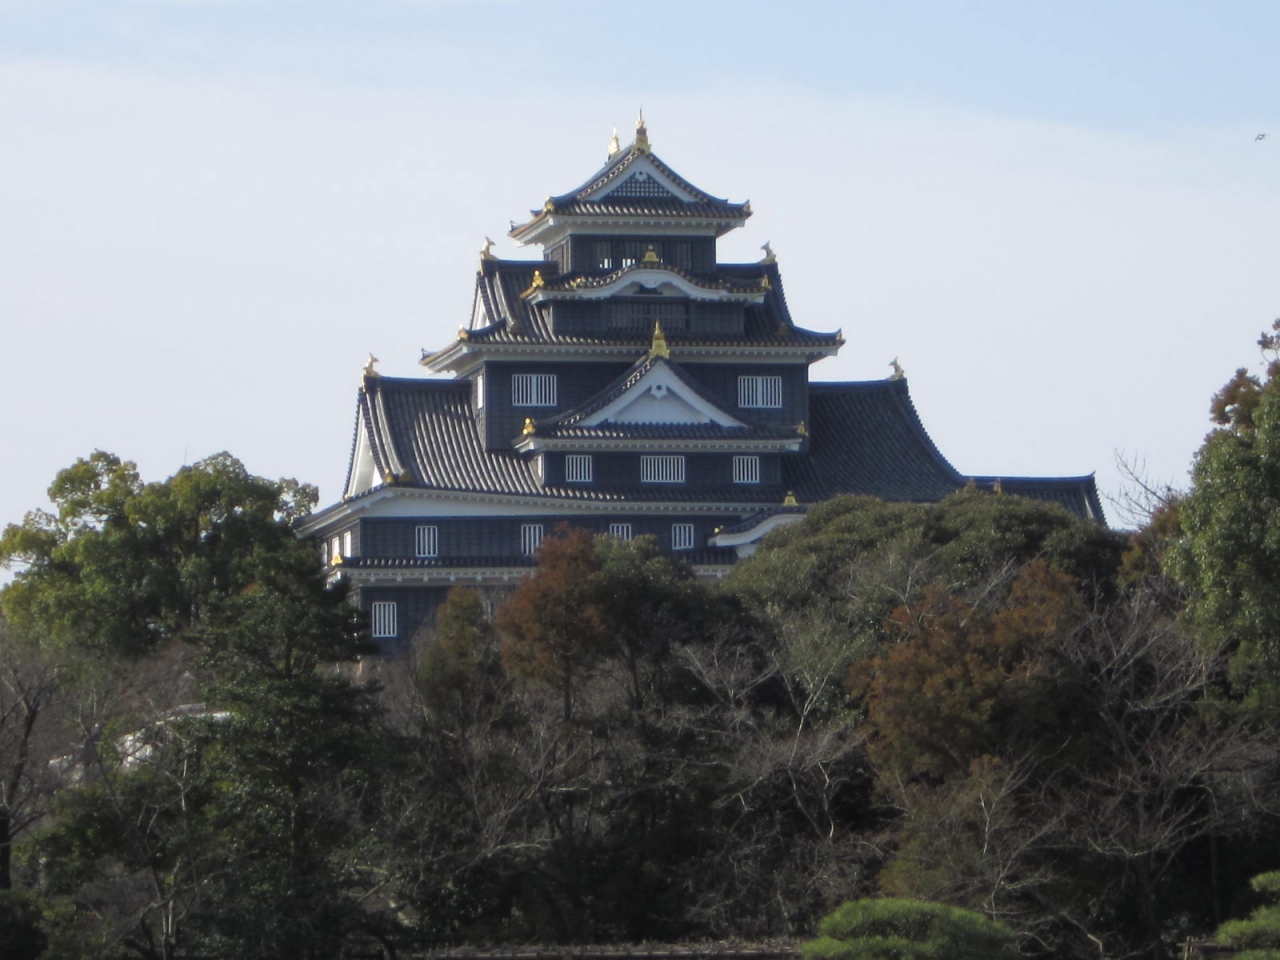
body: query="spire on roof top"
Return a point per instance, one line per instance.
(614, 144)
(642, 135)
(659, 347)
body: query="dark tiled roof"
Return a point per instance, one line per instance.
(510, 319)
(620, 198)
(865, 438)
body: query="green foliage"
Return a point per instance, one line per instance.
(124, 566)
(893, 929)
(22, 934)
(1258, 936)
(1229, 555)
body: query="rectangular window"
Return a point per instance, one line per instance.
(760, 392)
(533, 389)
(346, 544)
(383, 615)
(335, 548)
(324, 552)
(480, 391)
(620, 531)
(662, 468)
(426, 541)
(530, 538)
(577, 468)
(746, 469)
(682, 536)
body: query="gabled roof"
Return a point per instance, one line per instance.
(634, 183)
(865, 438)
(502, 318)
(657, 402)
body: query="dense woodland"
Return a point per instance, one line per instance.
(990, 723)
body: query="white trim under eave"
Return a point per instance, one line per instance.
(747, 541)
(536, 444)
(415, 502)
(462, 357)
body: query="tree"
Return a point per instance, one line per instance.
(1229, 554)
(1257, 937)
(893, 929)
(124, 566)
(553, 630)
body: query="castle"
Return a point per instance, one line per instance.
(626, 382)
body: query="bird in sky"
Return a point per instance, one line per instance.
(1261, 136)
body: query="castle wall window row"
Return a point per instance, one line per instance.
(382, 614)
(662, 468)
(577, 468)
(760, 392)
(533, 389)
(426, 541)
(530, 538)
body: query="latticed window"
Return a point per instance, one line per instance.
(577, 468)
(530, 538)
(533, 389)
(662, 468)
(760, 391)
(682, 536)
(746, 469)
(620, 531)
(426, 541)
(383, 615)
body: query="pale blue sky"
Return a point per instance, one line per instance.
(210, 212)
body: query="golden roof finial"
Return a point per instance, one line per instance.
(898, 372)
(802, 429)
(614, 144)
(769, 255)
(651, 256)
(486, 252)
(998, 486)
(530, 427)
(368, 367)
(537, 280)
(790, 499)
(464, 333)
(765, 284)
(659, 347)
(642, 134)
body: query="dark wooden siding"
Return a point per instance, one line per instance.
(602, 254)
(415, 610)
(575, 384)
(719, 381)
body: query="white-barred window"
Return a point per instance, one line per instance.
(760, 391)
(383, 614)
(746, 469)
(530, 538)
(426, 541)
(620, 531)
(577, 468)
(662, 468)
(533, 389)
(682, 536)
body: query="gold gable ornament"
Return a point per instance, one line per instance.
(659, 346)
(368, 367)
(530, 427)
(538, 282)
(801, 429)
(614, 143)
(765, 284)
(790, 499)
(464, 333)
(642, 135)
(651, 256)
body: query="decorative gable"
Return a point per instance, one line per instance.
(644, 180)
(660, 396)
